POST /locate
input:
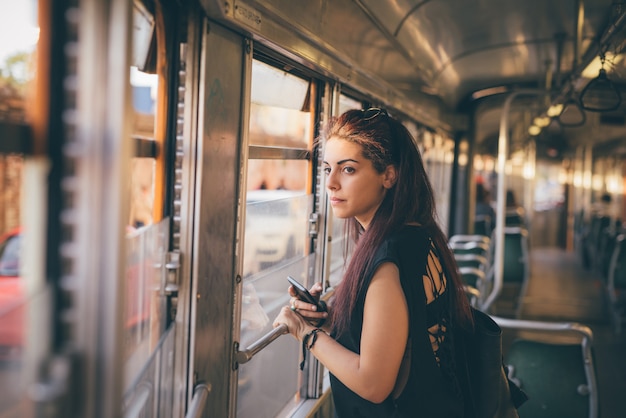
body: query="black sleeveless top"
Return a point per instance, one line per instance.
(432, 389)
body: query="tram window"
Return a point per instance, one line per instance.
(19, 280)
(337, 244)
(276, 118)
(438, 157)
(145, 242)
(147, 236)
(276, 241)
(337, 253)
(144, 87)
(347, 103)
(17, 58)
(549, 190)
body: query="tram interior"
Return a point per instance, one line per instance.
(532, 92)
(564, 58)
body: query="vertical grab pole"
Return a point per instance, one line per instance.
(503, 145)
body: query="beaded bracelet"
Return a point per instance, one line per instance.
(308, 346)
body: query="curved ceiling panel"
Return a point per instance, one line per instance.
(430, 58)
(450, 51)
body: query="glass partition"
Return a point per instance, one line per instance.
(144, 313)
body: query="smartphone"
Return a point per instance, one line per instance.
(302, 293)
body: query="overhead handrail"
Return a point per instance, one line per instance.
(200, 395)
(246, 355)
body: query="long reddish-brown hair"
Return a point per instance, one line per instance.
(384, 141)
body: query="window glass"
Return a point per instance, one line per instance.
(337, 243)
(147, 239)
(276, 241)
(144, 311)
(347, 103)
(337, 250)
(144, 89)
(438, 155)
(19, 34)
(276, 118)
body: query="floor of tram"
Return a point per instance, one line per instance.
(560, 289)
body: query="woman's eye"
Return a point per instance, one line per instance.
(348, 170)
(326, 170)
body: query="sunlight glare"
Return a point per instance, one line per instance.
(18, 27)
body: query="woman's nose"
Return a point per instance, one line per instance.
(331, 183)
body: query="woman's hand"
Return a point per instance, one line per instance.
(296, 325)
(301, 317)
(306, 310)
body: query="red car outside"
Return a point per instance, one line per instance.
(12, 294)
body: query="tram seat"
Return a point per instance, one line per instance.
(605, 250)
(516, 255)
(515, 271)
(553, 363)
(473, 295)
(471, 260)
(515, 217)
(473, 253)
(465, 238)
(474, 283)
(483, 225)
(470, 247)
(591, 239)
(616, 286)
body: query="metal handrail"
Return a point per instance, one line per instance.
(587, 340)
(247, 354)
(498, 234)
(469, 238)
(534, 325)
(200, 395)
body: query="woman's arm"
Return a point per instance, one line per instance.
(373, 373)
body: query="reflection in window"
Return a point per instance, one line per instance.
(19, 34)
(144, 88)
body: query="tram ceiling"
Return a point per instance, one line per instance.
(432, 58)
(488, 48)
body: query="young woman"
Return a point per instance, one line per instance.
(388, 343)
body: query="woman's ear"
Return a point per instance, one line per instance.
(390, 176)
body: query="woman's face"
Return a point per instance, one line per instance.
(355, 188)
